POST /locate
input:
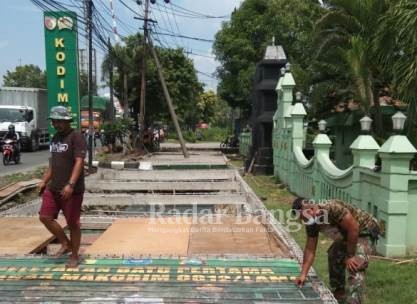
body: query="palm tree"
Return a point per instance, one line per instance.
(396, 47)
(346, 32)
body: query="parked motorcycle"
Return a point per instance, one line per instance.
(9, 152)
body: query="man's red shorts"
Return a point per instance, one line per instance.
(52, 203)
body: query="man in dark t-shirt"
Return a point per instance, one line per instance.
(62, 186)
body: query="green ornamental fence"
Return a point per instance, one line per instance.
(390, 195)
(245, 140)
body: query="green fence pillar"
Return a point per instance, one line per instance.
(321, 144)
(298, 113)
(364, 149)
(287, 86)
(392, 208)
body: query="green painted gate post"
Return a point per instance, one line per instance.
(396, 154)
(364, 149)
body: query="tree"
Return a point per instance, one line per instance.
(346, 31)
(207, 106)
(242, 41)
(213, 110)
(27, 76)
(179, 72)
(126, 60)
(396, 44)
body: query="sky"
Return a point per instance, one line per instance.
(22, 40)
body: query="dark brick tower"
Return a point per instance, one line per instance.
(264, 105)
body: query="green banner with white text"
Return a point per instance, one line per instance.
(61, 50)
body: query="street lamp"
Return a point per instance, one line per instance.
(298, 96)
(283, 71)
(366, 123)
(288, 67)
(322, 126)
(398, 121)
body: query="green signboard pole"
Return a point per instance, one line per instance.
(62, 63)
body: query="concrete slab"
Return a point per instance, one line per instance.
(166, 199)
(191, 146)
(164, 175)
(206, 158)
(133, 186)
(23, 235)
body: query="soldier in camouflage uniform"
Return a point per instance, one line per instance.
(352, 231)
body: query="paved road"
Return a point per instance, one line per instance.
(30, 161)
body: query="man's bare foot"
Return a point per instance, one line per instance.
(72, 262)
(63, 250)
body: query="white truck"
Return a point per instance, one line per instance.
(27, 110)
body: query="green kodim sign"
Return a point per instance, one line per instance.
(62, 63)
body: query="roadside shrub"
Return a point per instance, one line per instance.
(189, 136)
(213, 134)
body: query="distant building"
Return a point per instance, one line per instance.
(264, 105)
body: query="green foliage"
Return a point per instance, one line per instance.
(395, 44)
(27, 76)
(189, 136)
(179, 74)
(343, 37)
(213, 110)
(117, 129)
(207, 106)
(17, 177)
(213, 134)
(241, 43)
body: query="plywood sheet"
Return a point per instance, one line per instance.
(13, 189)
(228, 235)
(23, 235)
(143, 236)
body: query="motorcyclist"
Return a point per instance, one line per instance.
(13, 135)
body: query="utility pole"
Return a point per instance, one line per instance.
(89, 6)
(143, 78)
(111, 79)
(168, 99)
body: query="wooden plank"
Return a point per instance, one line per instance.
(229, 235)
(11, 190)
(19, 235)
(142, 236)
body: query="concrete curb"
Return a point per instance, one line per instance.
(120, 165)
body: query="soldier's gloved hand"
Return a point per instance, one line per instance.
(300, 281)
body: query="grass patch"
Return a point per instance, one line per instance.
(17, 177)
(385, 282)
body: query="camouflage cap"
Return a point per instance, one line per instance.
(60, 113)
